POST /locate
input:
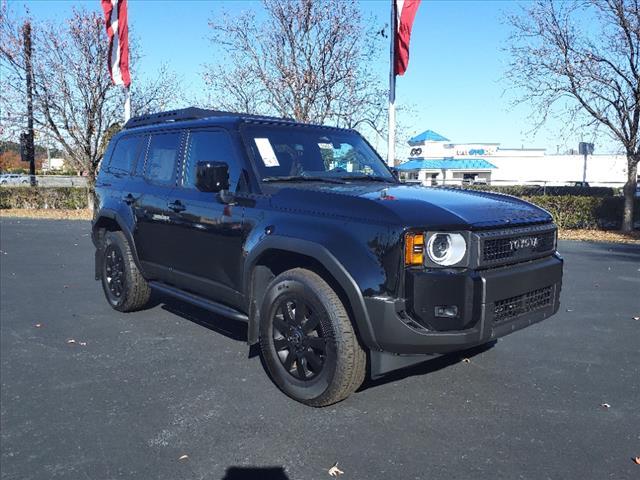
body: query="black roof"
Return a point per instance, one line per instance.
(193, 113)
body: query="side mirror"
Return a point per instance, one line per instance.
(395, 172)
(212, 176)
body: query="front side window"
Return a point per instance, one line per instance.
(282, 152)
(125, 154)
(208, 146)
(161, 157)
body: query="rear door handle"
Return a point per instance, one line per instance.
(176, 206)
(129, 199)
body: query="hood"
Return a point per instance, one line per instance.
(408, 205)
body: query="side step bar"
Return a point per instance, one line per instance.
(201, 302)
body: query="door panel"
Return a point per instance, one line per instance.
(208, 241)
(208, 233)
(150, 194)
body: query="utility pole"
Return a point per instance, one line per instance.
(30, 147)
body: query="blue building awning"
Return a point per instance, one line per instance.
(427, 136)
(446, 164)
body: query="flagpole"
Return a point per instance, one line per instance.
(391, 157)
(127, 104)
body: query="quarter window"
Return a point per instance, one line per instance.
(161, 157)
(125, 154)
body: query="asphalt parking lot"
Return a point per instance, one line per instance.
(136, 392)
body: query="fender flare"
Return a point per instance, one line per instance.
(124, 228)
(330, 263)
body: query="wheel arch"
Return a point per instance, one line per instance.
(108, 220)
(277, 254)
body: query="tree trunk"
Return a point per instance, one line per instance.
(630, 192)
(90, 198)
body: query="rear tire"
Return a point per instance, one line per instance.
(307, 340)
(123, 284)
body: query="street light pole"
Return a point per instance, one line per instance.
(585, 149)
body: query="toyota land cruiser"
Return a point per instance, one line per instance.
(304, 233)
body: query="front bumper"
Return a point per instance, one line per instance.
(491, 303)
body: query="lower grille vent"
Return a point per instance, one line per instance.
(513, 307)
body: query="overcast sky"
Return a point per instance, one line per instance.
(454, 80)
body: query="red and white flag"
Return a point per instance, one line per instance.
(115, 14)
(405, 11)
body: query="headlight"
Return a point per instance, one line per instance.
(446, 249)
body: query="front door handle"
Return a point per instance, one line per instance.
(129, 199)
(176, 206)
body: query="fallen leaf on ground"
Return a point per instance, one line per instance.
(335, 471)
(70, 341)
(605, 405)
(184, 457)
(637, 460)
(38, 325)
(466, 360)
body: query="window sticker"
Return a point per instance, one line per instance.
(266, 152)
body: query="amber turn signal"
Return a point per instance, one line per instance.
(413, 249)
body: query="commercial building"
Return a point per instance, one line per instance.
(436, 160)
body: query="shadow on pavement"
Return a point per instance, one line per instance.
(430, 365)
(255, 473)
(232, 329)
(238, 331)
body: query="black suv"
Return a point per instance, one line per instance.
(304, 233)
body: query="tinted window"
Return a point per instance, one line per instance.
(161, 157)
(125, 154)
(212, 146)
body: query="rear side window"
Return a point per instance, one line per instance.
(125, 154)
(209, 146)
(161, 158)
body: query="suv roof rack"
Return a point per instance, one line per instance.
(191, 113)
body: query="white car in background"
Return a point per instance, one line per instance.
(14, 179)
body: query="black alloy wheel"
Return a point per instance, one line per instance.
(298, 337)
(123, 284)
(308, 343)
(114, 272)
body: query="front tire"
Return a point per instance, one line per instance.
(123, 284)
(307, 340)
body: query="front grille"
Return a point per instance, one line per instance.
(516, 245)
(513, 307)
(503, 248)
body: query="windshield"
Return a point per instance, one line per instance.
(283, 153)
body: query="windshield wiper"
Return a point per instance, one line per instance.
(370, 178)
(303, 178)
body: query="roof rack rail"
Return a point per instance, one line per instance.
(191, 113)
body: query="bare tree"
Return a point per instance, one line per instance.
(580, 59)
(76, 104)
(308, 60)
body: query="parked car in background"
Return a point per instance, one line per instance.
(14, 179)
